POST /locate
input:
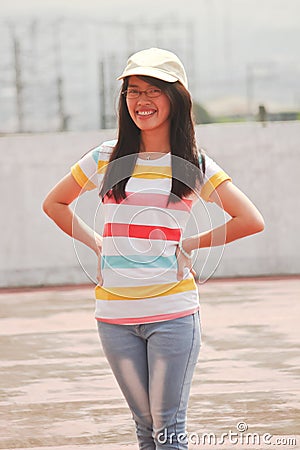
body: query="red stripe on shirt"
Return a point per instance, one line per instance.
(141, 231)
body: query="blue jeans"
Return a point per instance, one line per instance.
(153, 364)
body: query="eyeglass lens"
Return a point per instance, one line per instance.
(135, 93)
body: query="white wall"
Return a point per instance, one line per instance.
(263, 162)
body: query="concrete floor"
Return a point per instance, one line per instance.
(57, 391)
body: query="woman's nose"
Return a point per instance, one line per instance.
(143, 98)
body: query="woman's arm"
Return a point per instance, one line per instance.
(56, 206)
(245, 219)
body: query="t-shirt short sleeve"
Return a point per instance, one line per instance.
(89, 170)
(214, 176)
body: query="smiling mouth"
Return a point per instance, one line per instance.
(145, 113)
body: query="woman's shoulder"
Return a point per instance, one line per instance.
(109, 145)
(104, 150)
(205, 157)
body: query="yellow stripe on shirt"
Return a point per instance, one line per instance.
(141, 292)
(213, 183)
(81, 178)
(102, 166)
(141, 171)
(152, 172)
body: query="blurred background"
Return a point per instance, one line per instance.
(60, 59)
(59, 62)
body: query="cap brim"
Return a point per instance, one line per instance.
(148, 72)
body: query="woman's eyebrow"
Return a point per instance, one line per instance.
(137, 86)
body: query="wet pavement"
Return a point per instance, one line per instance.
(57, 391)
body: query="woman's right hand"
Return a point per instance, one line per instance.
(182, 262)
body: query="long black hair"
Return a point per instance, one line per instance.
(187, 169)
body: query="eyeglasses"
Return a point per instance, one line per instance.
(135, 93)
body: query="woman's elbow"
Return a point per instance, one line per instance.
(255, 224)
(47, 206)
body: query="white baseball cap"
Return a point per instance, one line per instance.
(156, 63)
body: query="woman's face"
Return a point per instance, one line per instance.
(148, 113)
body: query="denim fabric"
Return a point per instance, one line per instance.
(153, 364)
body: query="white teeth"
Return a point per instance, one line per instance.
(145, 113)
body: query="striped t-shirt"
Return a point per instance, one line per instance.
(140, 235)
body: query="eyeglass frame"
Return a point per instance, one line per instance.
(140, 92)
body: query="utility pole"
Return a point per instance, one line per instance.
(18, 82)
(130, 37)
(63, 118)
(254, 72)
(249, 89)
(190, 52)
(102, 95)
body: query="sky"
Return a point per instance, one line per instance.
(260, 28)
(231, 36)
(281, 13)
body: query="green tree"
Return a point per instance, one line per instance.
(201, 115)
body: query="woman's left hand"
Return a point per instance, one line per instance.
(182, 262)
(99, 242)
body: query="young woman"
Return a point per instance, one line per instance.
(146, 298)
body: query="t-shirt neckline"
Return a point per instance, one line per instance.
(154, 159)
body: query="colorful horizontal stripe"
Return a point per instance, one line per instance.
(152, 199)
(138, 261)
(82, 179)
(101, 166)
(136, 293)
(213, 183)
(151, 172)
(149, 319)
(141, 231)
